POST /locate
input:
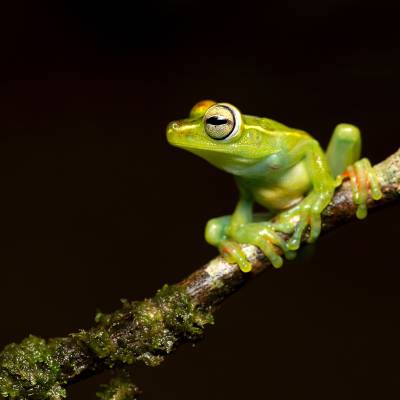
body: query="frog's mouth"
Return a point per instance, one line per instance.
(210, 150)
(220, 155)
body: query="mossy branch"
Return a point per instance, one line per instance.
(149, 330)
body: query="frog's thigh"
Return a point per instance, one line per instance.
(344, 148)
(216, 230)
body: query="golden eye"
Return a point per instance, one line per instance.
(221, 121)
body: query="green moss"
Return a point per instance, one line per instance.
(120, 388)
(146, 330)
(29, 370)
(140, 331)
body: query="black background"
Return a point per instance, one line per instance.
(95, 206)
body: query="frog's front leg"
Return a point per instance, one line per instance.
(217, 232)
(264, 236)
(343, 151)
(308, 212)
(227, 232)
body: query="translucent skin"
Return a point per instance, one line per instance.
(282, 169)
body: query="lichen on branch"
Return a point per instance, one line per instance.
(120, 387)
(31, 368)
(145, 331)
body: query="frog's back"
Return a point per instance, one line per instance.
(276, 132)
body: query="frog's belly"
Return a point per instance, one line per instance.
(284, 192)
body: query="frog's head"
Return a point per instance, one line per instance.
(219, 133)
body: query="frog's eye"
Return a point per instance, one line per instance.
(221, 121)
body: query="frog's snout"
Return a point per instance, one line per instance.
(172, 130)
(173, 126)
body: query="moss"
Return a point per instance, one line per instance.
(29, 370)
(120, 387)
(140, 331)
(146, 330)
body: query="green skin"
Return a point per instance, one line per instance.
(281, 168)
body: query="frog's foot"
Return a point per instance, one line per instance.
(233, 254)
(266, 239)
(306, 214)
(363, 181)
(228, 240)
(217, 236)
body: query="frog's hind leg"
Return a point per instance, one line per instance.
(344, 148)
(363, 181)
(343, 155)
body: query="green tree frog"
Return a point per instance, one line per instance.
(283, 169)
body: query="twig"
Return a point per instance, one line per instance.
(149, 330)
(211, 284)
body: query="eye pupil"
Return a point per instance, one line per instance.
(217, 120)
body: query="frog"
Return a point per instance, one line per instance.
(282, 169)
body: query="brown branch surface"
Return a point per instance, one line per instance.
(149, 330)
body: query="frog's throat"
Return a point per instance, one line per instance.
(232, 163)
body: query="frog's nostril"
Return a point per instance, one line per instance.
(173, 126)
(172, 131)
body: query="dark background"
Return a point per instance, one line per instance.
(90, 188)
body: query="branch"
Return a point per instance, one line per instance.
(211, 284)
(151, 329)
